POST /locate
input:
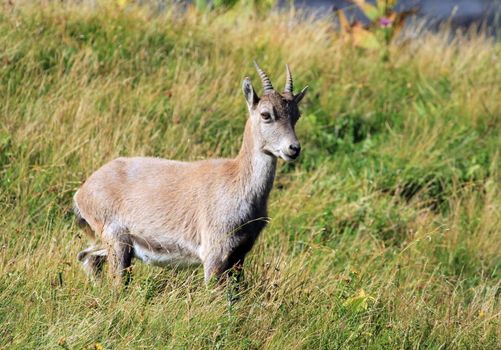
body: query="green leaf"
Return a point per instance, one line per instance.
(359, 302)
(385, 5)
(364, 38)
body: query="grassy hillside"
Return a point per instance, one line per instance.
(386, 233)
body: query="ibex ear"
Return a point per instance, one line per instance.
(249, 93)
(300, 96)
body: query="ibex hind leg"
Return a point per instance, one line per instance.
(120, 254)
(93, 259)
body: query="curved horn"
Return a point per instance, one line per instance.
(289, 85)
(264, 79)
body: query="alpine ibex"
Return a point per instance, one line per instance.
(168, 212)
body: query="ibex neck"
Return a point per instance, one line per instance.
(256, 169)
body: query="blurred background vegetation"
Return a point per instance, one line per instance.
(384, 234)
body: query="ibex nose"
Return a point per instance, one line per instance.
(296, 149)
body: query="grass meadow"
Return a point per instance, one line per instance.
(385, 234)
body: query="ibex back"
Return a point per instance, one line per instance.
(167, 212)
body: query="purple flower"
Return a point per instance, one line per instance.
(385, 22)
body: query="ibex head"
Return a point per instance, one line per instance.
(274, 116)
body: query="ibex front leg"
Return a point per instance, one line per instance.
(225, 266)
(227, 272)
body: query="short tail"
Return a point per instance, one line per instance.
(80, 220)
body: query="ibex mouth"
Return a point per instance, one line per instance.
(288, 158)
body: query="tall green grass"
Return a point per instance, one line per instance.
(385, 234)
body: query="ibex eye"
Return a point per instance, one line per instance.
(266, 116)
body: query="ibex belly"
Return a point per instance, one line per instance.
(164, 254)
